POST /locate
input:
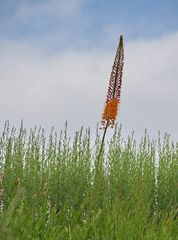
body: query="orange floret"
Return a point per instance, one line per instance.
(110, 112)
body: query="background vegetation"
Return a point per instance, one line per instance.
(49, 190)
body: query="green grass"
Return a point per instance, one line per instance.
(48, 187)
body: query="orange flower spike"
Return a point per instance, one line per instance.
(114, 89)
(113, 98)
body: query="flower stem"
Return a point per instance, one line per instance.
(101, 148)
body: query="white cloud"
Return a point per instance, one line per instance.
(43, 89)
(150, 87)
(72, 85)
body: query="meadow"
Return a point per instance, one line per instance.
(49, 188)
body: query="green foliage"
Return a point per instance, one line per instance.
(49, 190)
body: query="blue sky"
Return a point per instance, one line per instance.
(86, 23)
(56, 57)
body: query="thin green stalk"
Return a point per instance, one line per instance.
(101, 148)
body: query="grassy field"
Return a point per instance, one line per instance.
(49, 189)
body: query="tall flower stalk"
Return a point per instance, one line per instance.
(113, 96)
